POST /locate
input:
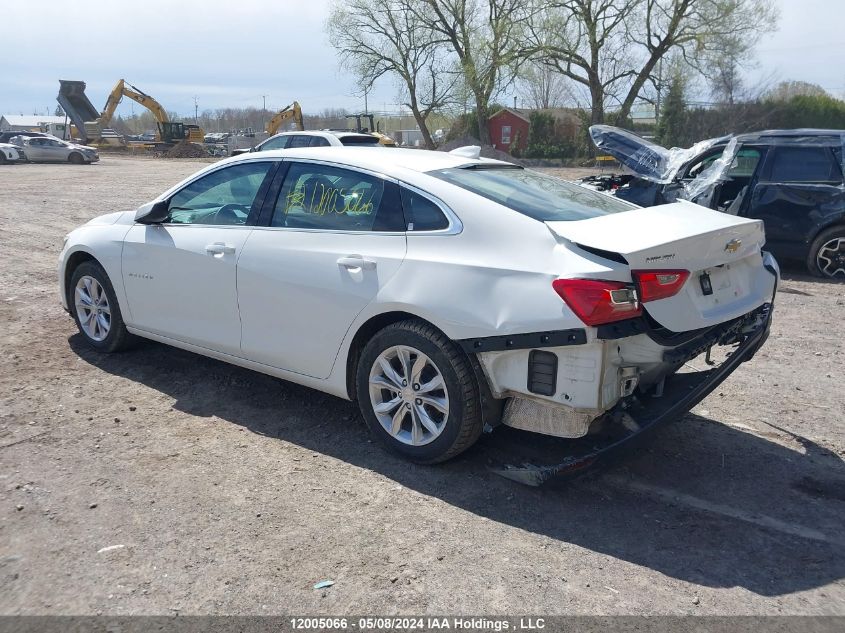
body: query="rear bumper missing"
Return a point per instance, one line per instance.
(637, 418)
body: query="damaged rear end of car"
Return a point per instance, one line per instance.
(643, 293)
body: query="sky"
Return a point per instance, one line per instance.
(247, 52)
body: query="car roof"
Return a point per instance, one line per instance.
(792, 137)
(322, 133)
(386, 160)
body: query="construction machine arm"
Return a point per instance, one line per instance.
(122, 89)
(293, 111)
(148, 102)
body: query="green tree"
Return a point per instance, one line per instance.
(673, 118)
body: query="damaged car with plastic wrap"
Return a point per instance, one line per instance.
(790, 179)
(447, 294)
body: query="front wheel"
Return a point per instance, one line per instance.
(827, 254)
(76, 158)
(418, 393)
(95, 309)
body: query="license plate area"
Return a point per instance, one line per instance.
(719, 285)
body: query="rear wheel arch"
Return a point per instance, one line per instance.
(367, 330)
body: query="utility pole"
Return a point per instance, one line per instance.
(196, 111)
(263, 112)
(366, 110)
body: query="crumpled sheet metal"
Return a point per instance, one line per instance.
(651, 162)
(647, 160)
(716, 172)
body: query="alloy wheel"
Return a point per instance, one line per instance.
(831, 257)
(92, 308)
(408, 395)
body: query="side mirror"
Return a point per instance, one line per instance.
(153, 212)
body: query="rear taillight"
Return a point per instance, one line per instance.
(658, 284)
(596, 301)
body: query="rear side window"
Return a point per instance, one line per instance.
(531, 193)
(359, 140)
(804, 164)
(299, 140)
(316, 196)
(319, 141)
(422, 214)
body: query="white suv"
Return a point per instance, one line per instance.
(287, 140)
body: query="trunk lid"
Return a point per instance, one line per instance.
(683, 235)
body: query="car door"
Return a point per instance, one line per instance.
(332, 239)
(797, 188)
(35, 150)
(179, 276)
(55, 151)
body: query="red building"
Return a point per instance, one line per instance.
(508, 130)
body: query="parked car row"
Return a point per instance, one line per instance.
(35, 147)
(792, 180)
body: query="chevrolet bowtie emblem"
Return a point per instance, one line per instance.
(733, 246)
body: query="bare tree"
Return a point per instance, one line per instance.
(542, 87)
(613, 47)
(489, 38)
(377, 38)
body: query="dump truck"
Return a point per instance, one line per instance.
(92, 126)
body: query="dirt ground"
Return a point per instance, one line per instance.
(160, 482)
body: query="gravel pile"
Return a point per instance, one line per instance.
(184, 149)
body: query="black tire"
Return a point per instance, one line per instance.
(2, 158)
(118, 337)
(76, 158)
(463, 423)
(812, 256)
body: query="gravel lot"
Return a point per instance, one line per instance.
(160, 482)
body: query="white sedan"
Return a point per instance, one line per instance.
(11, 154)
(446, 293)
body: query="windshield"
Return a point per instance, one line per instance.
(531, 193)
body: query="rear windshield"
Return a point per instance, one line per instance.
(531, 193)
(359, 140)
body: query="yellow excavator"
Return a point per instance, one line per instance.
(168, 131)
(293, 111)
(383, 139)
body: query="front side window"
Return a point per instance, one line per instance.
(316, 196)
(319, 141)
(744, 163)
(280, 142)
(224, 196)
(804, 164)
(531, 193)
(506, 134)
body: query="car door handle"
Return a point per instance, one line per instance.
(219, 248)
(356, 261)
